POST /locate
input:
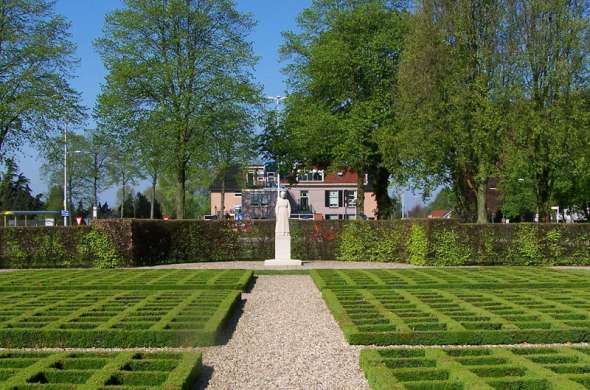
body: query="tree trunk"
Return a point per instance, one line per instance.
(222, 215)
(123, 202)
(180, 191)
(153, 200)
(482, 212)
(380, 180)
(360, 194)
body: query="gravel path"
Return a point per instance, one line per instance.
(318, 264)
(285, 339)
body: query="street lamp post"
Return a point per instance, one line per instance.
(277, 100)
(65, 176)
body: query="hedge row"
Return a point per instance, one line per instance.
(93, 371)
(58, 247)
(497, 368)
(126, 279)
(110, 243)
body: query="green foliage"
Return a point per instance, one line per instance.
(98, 245)
(133, 318)
(93, 371)
(525, 247)
(417, 246)
(367, 316)
(171, 81)
(126, 279)
(553, 244)
(344, 77)
(448, 250)
(498, 368)
(36, 62)
(356, 239)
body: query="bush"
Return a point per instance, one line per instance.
(130, 243)
(417, 245)
(56, 247)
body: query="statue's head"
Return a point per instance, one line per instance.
(284, 194)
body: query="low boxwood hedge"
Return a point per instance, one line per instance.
(477, 368)
(112, 318)
(93, 371)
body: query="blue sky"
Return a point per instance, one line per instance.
(87, 17)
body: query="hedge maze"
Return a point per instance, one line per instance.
(97, 318)
(491, 368)
(485, 277)
(129, 279)
(86, 371)
(458, 306)
(123, 308)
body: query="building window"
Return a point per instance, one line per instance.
(310, 176)
(238, 194)
(350, 198)
(304, 201)
(333, 217)
(259, 200)
(333, 198)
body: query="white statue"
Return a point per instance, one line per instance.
(282, 212)
(282, 234)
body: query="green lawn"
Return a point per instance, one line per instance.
(86, 371)
(125, 279)
(477, 369)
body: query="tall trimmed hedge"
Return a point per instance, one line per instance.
(57, 247)
(111, 243)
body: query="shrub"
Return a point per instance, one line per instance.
(98, 245)
(448, 250)
(417, 245)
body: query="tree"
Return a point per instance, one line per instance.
(551, 61)
(231, 141)
(36, 61)
(343, 79)
(452, 100)
(78, 161)
(444, 200)
(15, 192)
(177, 60)
(96, 162)
(124, 170)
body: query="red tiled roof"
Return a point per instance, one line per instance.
(438, 213)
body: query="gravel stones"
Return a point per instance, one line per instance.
(285, 339)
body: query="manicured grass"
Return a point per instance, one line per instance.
(114, 318)
(471, 369)
(126, 279)
(85, 371)
(461, 316)
(481, 277)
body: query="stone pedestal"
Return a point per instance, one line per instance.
(282, 253)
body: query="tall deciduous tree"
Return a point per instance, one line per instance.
(552, 65)
(176, 59)
(343, 80)
(36, 61)
(452, 99)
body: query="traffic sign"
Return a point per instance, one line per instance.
(65, 213)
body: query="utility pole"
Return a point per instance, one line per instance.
(277, 100)
(65, 175)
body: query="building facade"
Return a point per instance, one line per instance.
(314, 194)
